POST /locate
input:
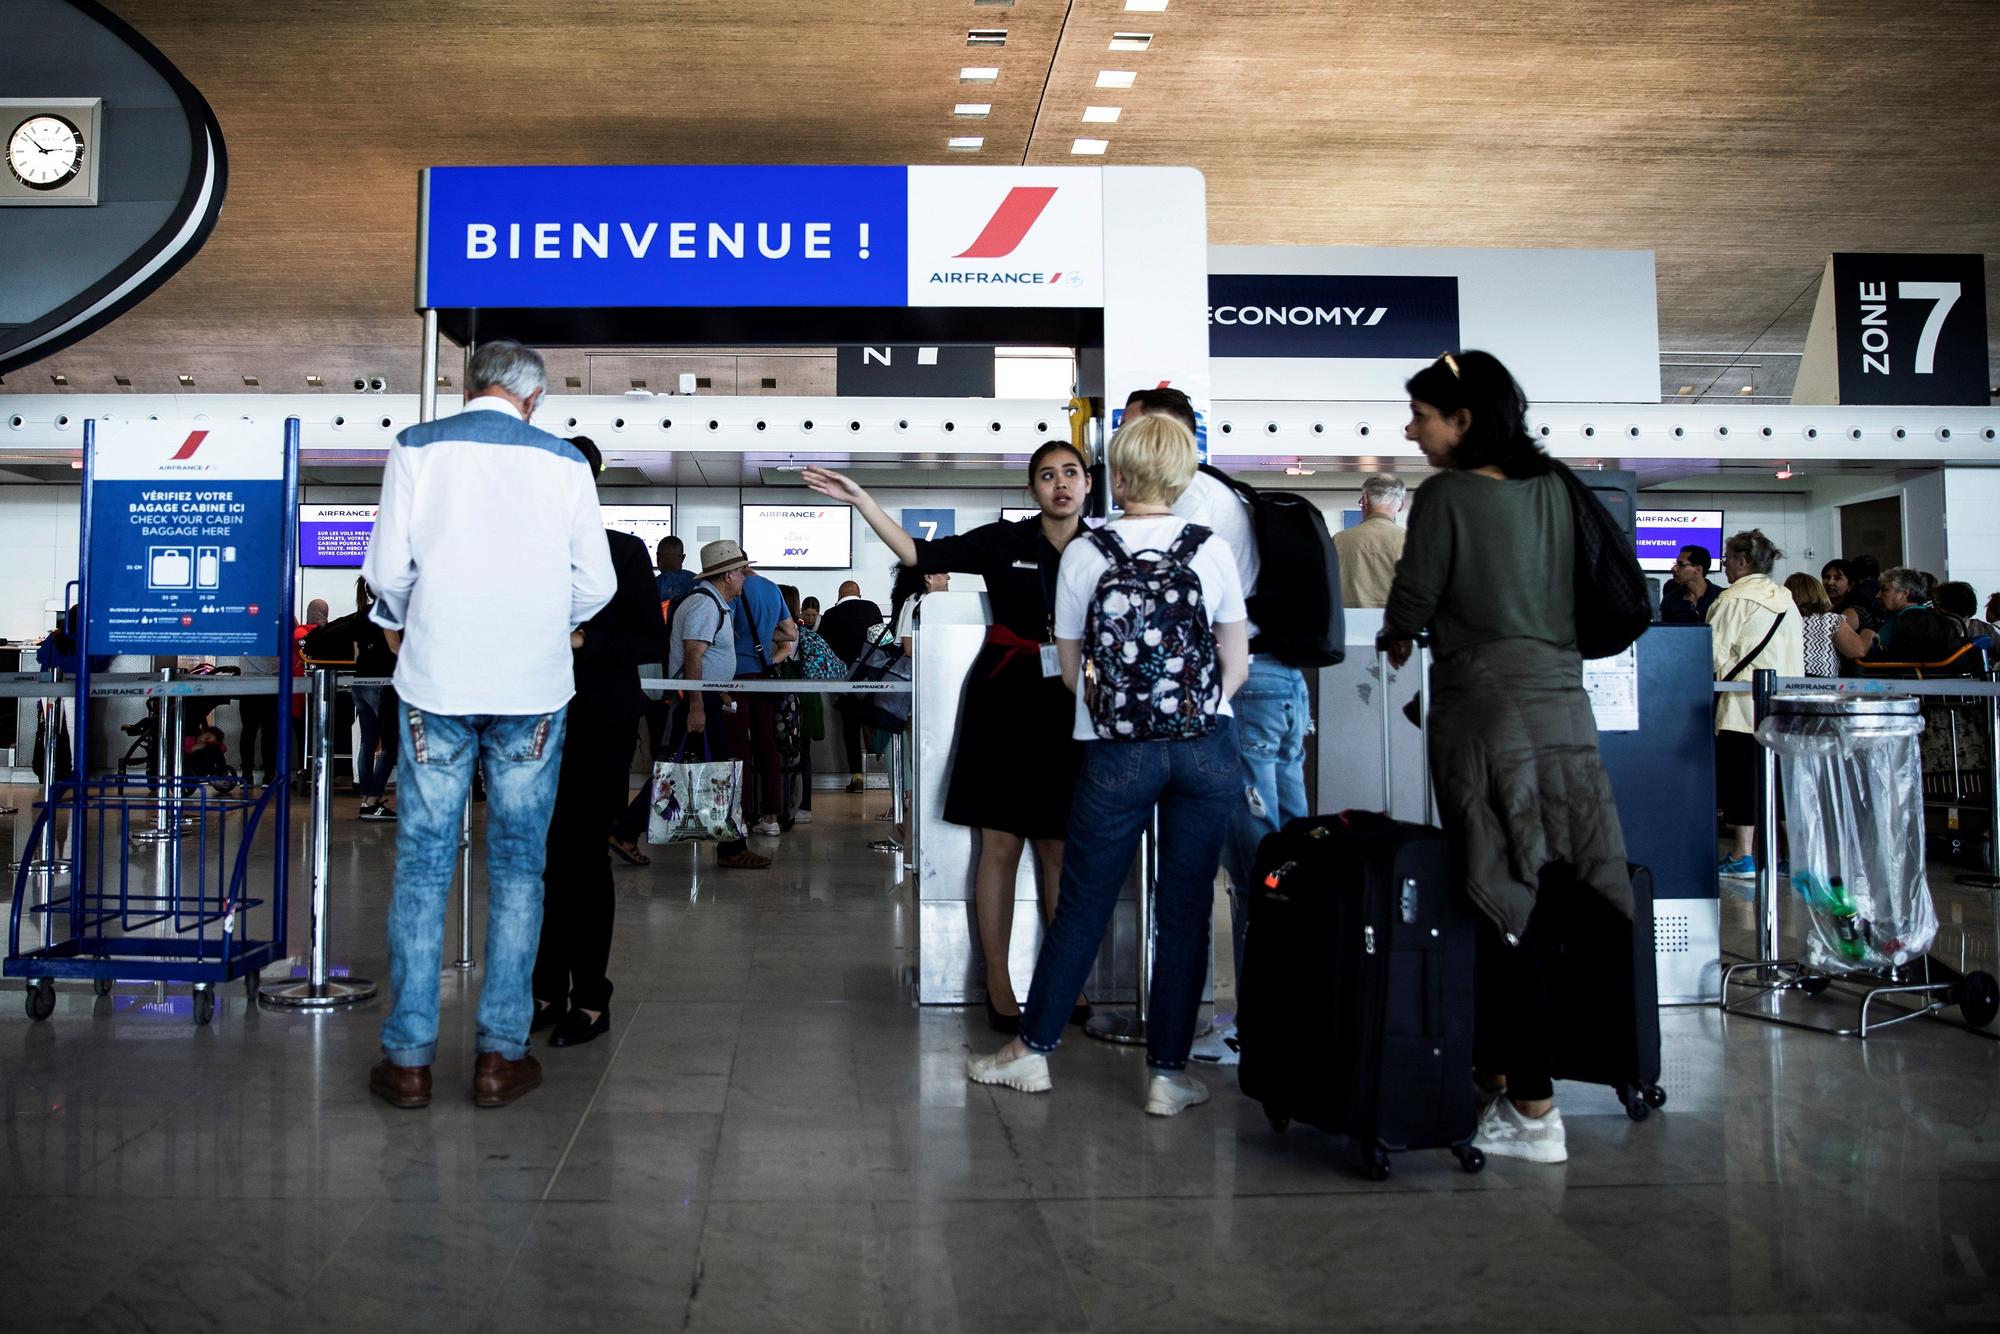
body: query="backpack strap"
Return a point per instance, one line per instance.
(1189, 542)
(1107, 542)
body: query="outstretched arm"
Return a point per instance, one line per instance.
(838, 486)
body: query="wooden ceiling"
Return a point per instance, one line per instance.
(1741, 142)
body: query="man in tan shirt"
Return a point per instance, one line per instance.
(1369, 550)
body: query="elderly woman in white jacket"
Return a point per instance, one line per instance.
(1754, 624)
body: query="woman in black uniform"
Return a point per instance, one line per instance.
(1015, 763)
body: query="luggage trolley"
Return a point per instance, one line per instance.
(157, 884)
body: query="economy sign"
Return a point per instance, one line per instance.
(593, 237)
(187, 534)
(1331, 315)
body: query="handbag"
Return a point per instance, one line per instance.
(1613, 604)
(880, 661)
(696, 801)
(65, 767)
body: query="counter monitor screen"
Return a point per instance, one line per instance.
(334, 537)
(1662, 534)
(799, 537)
(648, 523)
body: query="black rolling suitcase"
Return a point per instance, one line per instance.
(1355, 1008)
(1607, 1027)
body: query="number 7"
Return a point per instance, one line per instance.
(930, 527)
(1945, 295)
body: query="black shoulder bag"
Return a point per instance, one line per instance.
(1613, 604)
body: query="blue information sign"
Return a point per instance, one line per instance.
(930, 524)
(187, 540)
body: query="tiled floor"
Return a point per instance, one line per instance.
(772, 1138)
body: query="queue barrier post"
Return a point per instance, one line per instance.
(464, 962)
(1128, 1027)
(318, 991)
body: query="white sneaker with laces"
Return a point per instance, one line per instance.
(769, 827)
(1171, 1094)
(1029, 1074)
(1504, 1132)
(1218, 1048)
(802, 817)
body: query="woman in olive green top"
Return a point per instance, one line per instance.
(1488, 569)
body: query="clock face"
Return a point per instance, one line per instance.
(45, 152)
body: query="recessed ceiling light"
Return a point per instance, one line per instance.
(1748, 389)
(444, 382)
(59, 379)
(1685, 390)
(638, 384)
(185, 379)
(966, 143)
(1090, 147)
(1101, 115)
(122, 381)
(313, 382)
(1131, 41)
(572, 382)
(979, 74)
(1116, 78)
(972, 109)
(250, 381)
(1145, 6)
(986, 37)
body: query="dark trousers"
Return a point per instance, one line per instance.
(658, 719)
(1513, 1024)
(576, 879)
(259, 745)
(850, 736)
(755, 729)
(721, 745)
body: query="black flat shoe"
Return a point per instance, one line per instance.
(1081, 1014)
(575, 1030)
(1010, 1024)
(545, 1016)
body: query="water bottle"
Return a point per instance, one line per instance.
(1846, 922)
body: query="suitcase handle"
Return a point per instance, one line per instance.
(1422, 642)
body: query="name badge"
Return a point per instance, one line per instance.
(1026, 565)
(1051, 661)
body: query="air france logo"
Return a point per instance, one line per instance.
(189, 446)
(1002, 236)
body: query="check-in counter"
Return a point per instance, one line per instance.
(1662, 771)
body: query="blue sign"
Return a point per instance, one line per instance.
(930, 525)
(496, 237)
(186, 552)
(1331, 315)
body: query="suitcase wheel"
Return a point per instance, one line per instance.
(1635, 1105)
(1469, 1158)
(1280, 1122)
(1655, 1095)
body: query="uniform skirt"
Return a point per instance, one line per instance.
(1014, 764)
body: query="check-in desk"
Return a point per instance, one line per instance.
(1663, 775)
(951, 629)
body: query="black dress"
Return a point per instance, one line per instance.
(1015, 763)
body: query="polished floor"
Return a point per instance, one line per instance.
(773, 1137)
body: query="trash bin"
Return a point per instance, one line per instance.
(1853, 791)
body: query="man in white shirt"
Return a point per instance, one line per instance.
(487, 555)
(1273, 709)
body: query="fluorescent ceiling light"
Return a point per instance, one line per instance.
(986, 37)
(979, 74)
(1131, 41)
(972, 109)
(966, 143)
(1116, 78)
(1101, 115)
(1145, 6)
(1090, 147)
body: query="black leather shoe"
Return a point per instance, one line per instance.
(1010, 1024)
(547, 1015)
(575, 1029)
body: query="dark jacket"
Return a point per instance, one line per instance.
(1677, 609)
(845, 627)
(353, 638)
(626, 633)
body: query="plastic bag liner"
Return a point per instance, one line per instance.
(1853, 795)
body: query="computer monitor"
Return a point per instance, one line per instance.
(799, 537)
(648, 523)
(1662, 533)
(335, 537)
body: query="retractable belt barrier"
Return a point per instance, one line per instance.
(765, 687)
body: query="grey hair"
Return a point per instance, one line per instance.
(1911, 582)
(505, 364)
(1757, 550)
(1384, 489)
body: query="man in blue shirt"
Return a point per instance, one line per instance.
(674, 581)
(766, 636)
(1690, 592)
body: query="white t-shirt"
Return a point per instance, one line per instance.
(1221, 511)
(1083, 565)
(906, 619)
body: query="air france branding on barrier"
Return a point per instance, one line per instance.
(539, 237)
(186, 533)
(1331, 315)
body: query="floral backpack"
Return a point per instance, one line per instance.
(1152, 649)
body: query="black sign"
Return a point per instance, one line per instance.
(1326, 315)
(906, 370)
(1911, 329)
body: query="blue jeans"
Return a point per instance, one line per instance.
(1194, 783)
(371, 770)
(521, 755)
(1273, 710)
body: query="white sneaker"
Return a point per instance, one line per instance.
(802, 817)
(1030, 1073)
(1170, 1094)
(769, 827)
(1505, 1133)
(1218, 1048)
(1486, 1097)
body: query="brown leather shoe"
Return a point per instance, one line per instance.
(497, 1081)
(400, 1085)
